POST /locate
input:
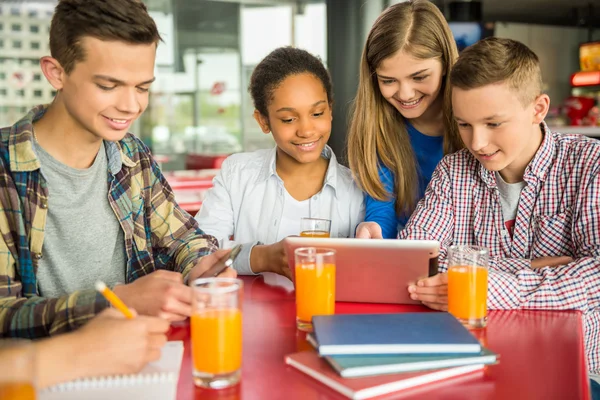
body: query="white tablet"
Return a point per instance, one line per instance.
(374, 270)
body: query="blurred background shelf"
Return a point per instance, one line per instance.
(591, 131)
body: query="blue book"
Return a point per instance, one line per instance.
(353, 366)
(375, 364)
(405, 333)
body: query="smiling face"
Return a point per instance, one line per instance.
(299, 117)
(108, 90)
(497, 129)
(411, 85)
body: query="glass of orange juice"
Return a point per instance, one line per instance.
(315, 227)
(315, 284)
(468, 284)
(17, 370)
(216, 332)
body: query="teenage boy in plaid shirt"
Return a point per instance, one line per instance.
(83, 200)
(530, 195)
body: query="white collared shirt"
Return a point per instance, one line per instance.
(247, 202)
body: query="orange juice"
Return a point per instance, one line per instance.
(467, 292)
(315, 290)
(17, 391)
(315, 234)
(217, 340)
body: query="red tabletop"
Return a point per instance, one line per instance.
(541, 353)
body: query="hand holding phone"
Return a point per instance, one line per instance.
(223, 263)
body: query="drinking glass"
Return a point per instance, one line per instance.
(315, 227)
(216, 332)
(17, 370)
(467, 284)
(315, 284)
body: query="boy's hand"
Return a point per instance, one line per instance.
(369, 230)
(159, 294)
(206, 262)
(432, 291)
(550, 262)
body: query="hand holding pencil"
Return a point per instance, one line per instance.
(111, 344)
(161, 294)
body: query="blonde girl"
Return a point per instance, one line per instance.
(402, 123)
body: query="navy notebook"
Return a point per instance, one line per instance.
(405, 333)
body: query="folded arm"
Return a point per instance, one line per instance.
(575, 285)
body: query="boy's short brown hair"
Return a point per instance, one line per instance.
(495, 60)
(111, 20)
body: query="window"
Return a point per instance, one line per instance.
(20, 93)
(16, 11)
(16, 27)
(2, 76)
(1, 43)
(2, 92)
(16, 44)
(35, 45)
(35, 61)
(53, 93)
(37, 93)
(33, 13)
(37, 77)
(34, 28)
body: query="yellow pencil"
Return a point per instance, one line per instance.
(113, 299)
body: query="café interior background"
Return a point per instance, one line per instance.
(199, 103)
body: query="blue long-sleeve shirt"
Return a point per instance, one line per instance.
(428, 150)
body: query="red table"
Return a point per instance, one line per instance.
(541, 353)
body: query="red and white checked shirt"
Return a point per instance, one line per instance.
(558, 215)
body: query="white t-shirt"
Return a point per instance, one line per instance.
(293, 211)
(509, 200)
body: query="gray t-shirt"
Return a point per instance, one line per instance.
(509, 200)
(83, 241)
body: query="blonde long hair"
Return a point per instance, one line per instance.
(378, 133)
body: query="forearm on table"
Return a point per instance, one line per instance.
(566, 287)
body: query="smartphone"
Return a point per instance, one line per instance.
(224, 262)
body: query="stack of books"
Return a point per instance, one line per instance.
(367, 355)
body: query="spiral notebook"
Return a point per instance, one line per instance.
(158, 380)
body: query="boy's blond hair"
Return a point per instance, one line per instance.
(496, 60)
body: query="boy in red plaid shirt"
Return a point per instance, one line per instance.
(530, 195)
